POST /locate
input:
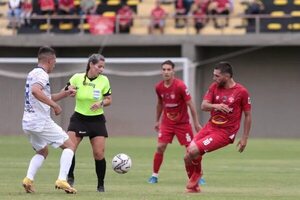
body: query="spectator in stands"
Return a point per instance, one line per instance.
(219, 7)
(26, 12)
(200, 16)
(254, 7)
(47, 7)
(125, 16)
(14, 13)
(88, 7)
(158, 18)
(180, 14)
(66, 7)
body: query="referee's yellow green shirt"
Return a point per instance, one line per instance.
(89, 93)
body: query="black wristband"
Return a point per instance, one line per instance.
(67, 86)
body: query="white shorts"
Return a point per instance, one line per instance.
(52, 134)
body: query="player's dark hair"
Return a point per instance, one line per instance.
(168, 62)
(94, 58)
(45, 52)
(225, 67)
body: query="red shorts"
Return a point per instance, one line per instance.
(183, 132)
(211, 138)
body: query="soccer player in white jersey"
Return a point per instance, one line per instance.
(38, 125)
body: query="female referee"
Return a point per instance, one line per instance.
(93, 92)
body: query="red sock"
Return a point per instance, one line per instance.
(197, 173)
(189, 167)
(157, 161)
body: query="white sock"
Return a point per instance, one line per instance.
(65, 163)
(155, 175)
(34, 165)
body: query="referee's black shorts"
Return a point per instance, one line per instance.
(91, 126)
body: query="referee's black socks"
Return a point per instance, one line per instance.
(100, 171)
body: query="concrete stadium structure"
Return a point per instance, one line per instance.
(267, 64)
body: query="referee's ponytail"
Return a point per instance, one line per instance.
(94, 58)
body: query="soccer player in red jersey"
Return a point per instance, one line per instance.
(226, 100)
(172, 108)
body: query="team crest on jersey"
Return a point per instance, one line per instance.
(167, 96)
(217, 97)
(224, 98)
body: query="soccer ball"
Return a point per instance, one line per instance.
(121, 163)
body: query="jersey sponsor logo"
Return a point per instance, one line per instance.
(90, 84)
(219, 119)
(171, 105)
(173, 116)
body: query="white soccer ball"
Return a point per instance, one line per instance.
(121, 163)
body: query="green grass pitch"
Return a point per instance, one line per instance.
(269, 169)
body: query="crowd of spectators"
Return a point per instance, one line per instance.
(201, 11)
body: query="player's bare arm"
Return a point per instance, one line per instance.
(71, 91)
(247, 125)
(159, 110)
(207, 106)
(192, 108)
(37, 92)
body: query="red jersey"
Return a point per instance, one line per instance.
(126, 15)
(222, 5)
(27, 6)
(237, 98)
(199, 16)
(66, 3)
(173, 100)
(47, 5)
(158, 14)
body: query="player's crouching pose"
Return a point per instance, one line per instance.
(226, 100)
(37, 123)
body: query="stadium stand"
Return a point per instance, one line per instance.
(143, 13)
(281, 16)
(285, 16)
(3, 20)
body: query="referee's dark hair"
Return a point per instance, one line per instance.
(168, 62)
(44, 52)
(94, 58)
(225, 67)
